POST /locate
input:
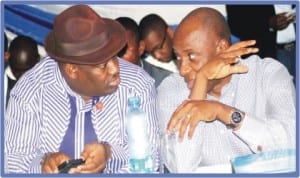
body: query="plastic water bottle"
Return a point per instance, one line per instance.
(138, 139)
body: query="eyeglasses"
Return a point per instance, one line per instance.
(161, 44)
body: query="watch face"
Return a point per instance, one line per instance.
(236, 117)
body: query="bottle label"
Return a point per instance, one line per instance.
(144, 165)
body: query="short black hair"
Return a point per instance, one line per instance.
(151, 22)
(130, 25)
(23, 43)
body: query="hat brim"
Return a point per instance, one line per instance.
(117, 42)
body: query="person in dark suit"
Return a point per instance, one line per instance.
(264, 23)
(135, 48)
(157, 36)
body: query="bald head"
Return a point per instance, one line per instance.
(200, 36)
(209, 20)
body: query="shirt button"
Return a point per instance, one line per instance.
(259, 148)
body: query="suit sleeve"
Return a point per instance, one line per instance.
(22, 128)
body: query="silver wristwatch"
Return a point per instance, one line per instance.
(236, 118)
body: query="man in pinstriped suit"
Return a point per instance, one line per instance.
(82, 83)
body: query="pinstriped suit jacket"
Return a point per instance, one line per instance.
(38, 115)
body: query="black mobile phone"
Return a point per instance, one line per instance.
(67, 165)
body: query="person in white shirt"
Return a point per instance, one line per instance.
(219, 106)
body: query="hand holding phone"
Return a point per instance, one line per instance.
(67, 165)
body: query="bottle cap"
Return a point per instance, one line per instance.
(134, 101)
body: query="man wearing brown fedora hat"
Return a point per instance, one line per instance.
(72, 104)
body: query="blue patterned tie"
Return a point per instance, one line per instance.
(68, 144)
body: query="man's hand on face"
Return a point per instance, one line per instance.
(191, 112)
(52, 161)
(96, 156)
(225, 63)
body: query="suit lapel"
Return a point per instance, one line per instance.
(107, 121)
(56, 114)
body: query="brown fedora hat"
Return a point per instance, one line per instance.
(81, 36)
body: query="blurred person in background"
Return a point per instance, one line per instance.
(273, 28)
(157, 37)
(21, 56)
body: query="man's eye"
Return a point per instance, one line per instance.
(192, 56)
(102, 66)
(178, 58)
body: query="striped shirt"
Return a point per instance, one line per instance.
(38, 115)
(267, 96)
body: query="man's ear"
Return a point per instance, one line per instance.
(142, 47)
(222, 45)
(6, 56)
(71, 70)
(170, 31)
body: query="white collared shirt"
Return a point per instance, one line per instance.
(170, 66)
(266, 94)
